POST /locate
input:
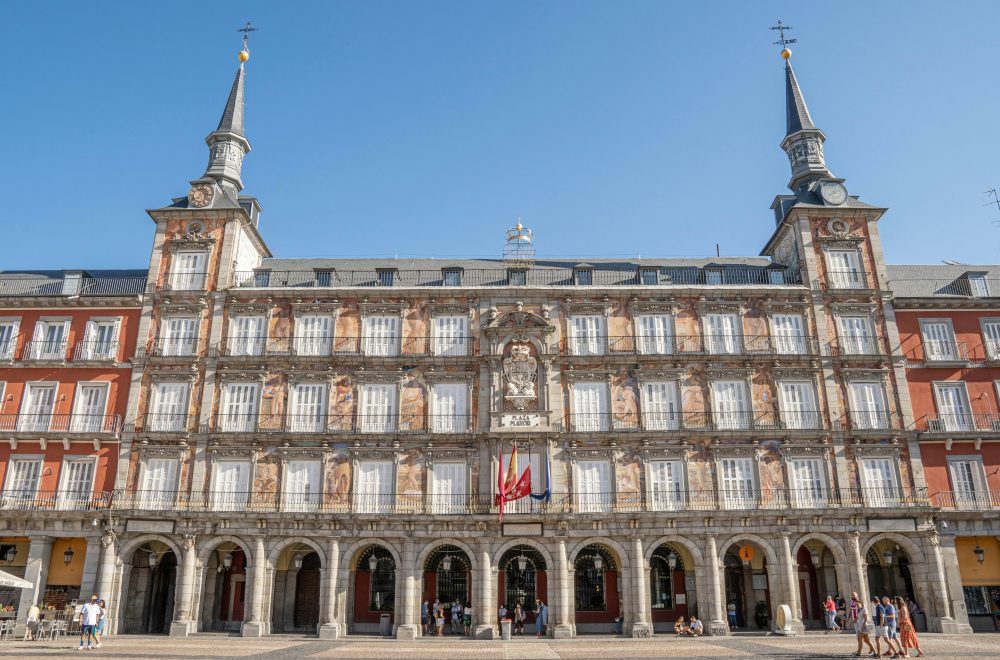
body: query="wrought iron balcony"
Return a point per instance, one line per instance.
(967, 501)
(72, 423)
(961, 423)
(856, 346)
(168, 423)
(170, 347)
(7, 349)
(185, 282)
(86, 287)
(95, 351)
(945, 351)
(297, 423)
(46, 350)
(869, 421)
(688, 345)
(695, 421)
(53, 500)
(299, 346)
(845, 278)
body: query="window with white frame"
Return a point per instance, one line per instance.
(89, 408)
(938, 339)
(314, 334)
(449, 407)
(247, 334)
(588, 334)
(879, 481)
(8, 337)
(808, 482)
(590, 406)
(594, 486)
(731, 404)
(76, 483)
(868, 406)
(666, 485)
(188, 270)
(450, 334)
(381, 335)
(379, 407)
(655, 334)
(158, 483)
(738, 482)
(979, 286)
(231, 485)
(954, 410)
(50, 340)
(307, 408)
(845, 269)
(168, 412)
(991, 338)
(798, 404)
(100, 340)
(23, 475)
(37, 407)
(660, 406)
(302, 486)
(448, 486)
(856, 335)
(968, 481)
(179, 335)
(789, 334)
(723, 334)
(374, 486)
(238, 412)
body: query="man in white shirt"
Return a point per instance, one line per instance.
(90, 613)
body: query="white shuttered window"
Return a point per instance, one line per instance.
(590, 407)
(302, 486)
(449, 408)
(724, 334)
(378, 408)
(450, 335)
(448, 487)
(968, 481)
(307, 412)
(953, 407)
(247, 335)
(660, 406)
(666, 484)
(188, 271)
(868, 409)
(588, 334)
(158, 488)
(731, 404)
(77, 483)
(878, 477)
(170, 405)
(314, 334)
(594, 493)
(180, 335)
(798, 404)
(381, 335)
(239, 407)
(655, 334)
(939, 340)
(36, 408)
(807, 482)
(88, 409)
(789, 334)
(374, 487)
(23, 475)
(231, 487)
(738, 484)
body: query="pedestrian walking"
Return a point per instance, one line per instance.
(830, 610)
(519, 618)
(90, 613)
(907, 633)
(858, 617)
(891, 623)
(425, 617)
(468, 619)
(541, 618)
(881, 629)
(456, 618)
(439, 620)
(100, 623)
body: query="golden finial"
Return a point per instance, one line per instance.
(786, 53)
(244, 54)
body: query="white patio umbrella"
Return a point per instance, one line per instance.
(8, 580)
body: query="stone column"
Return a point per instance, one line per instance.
(36, 572)
(842, 571)
(406, 625)
(717, 621)
(944, 622)
(483, 611)
(640, 624)
(791, 585)
(255, 626)
(953, 578)
(859, 578)
(563, 628)
(330, 627)
(106, 577)
(183, 624)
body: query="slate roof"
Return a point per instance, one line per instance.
(939, 280)
(796, 113)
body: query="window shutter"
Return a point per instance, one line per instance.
(8, 339)
(314, 335)
(656, 334)
(953, 407)
(24, 477)
(38, 414)
(450, 335)
(880, 482)
(963, 480)
(381, 335)
(665, 484)
(170, 406)
(88, 416)
(378, 408)
(247, 335)
(375, 488)
(302, 486)
(449, 487)
(799, 405)
(807, 482)
(594, 492)
(588, 335)
(450, 408)
(789, 334)
(309, 408)
(240, 407)
(232, 485)
(738, 483)
(661, 406)
(590, 407)
(731, 406)
(77, 485)
(991, 333)
(938, 341)
(869, 405)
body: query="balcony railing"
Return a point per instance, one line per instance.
(992, 350)
(847, 279)
(53, 500)
(167, 423)
(949, 286)
(95, 351)
(7, 349)
(45, 349)
(561, 503)
(945, 351)
(961, 423)
(185, 282)
(856, 346)
(536, 276)
(85, 287)
(297, 346)
(47, 423)
(170, 347)
(870, 420)
(689, 345)
(967, 501)
(391, 423)
(695, 421)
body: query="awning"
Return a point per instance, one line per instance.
(8, 580)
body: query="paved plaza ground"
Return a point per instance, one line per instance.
(582, 648)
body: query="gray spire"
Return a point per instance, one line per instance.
(227, 145)
(803, 141)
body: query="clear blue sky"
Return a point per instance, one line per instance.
(427, 128)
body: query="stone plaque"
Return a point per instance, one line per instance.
(892, 525)
(681, 599)
(150, 526)
(519, 421)
(522, 529)
(759, 582)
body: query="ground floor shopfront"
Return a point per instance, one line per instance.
(263, 578)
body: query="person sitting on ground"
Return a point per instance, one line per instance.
(680, 627)
(696, 628)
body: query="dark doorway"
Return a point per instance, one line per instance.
(306, 614)
(149, 606)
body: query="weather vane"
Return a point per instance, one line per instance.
(992, 193)
(780, 27)
(247, 29)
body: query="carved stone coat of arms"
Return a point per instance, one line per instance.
(519, 372)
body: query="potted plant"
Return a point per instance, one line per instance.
(760, 614)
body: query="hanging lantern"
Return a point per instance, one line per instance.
(598, 562)
(522, 563)
(68, 556)
(10, 554)
(887, 557)
(372, 562)
(446, 563)
(298, 562)
(814, 555)
(227, 560)
(152, 559)
(980, 553)
(672, 560)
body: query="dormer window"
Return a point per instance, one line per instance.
(452, 276)
(72, 283)
(517, 277)
(775, 276)
(386, 276)
(648, 276)
(583, 275)
(978, 285)
(713, 276)
(324, 278)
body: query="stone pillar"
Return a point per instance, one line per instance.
(407, 616)
(255, 626)
(953, 577)
(36, 572)
(640, 624)
(791, 585)
(329, 627)
(944, 622)
(106, 577)
(183, 623)
(563, 628)
(842, 571)
(483, 612)
(859, 577)
(717, 620)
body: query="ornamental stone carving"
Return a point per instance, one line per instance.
(187, 543)
(520, 370)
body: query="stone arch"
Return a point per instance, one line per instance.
(281, 545)
(349, 554)
(134, 544)
(682, 541)
(212, 543)
(495, 561)
(436, 543)
(839, 554)
(623, 556)
(764, 544)
(915, 553)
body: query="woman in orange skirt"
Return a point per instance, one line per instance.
(907, 633)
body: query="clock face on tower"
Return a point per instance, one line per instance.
(834, 194)
(201, 195)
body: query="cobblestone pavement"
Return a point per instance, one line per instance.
(583, 648)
